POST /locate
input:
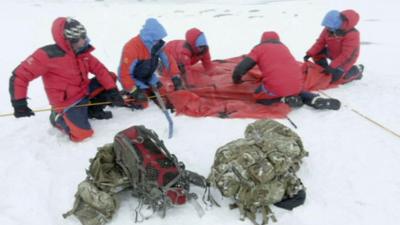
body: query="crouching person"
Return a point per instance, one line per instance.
(139, 62)
(338, 47)
(282, 77)
(64, 68)
(189, 52)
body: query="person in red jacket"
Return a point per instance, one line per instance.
(282, 76)
(64, 68)
(188, 52)
(339, 42)
(140, 59)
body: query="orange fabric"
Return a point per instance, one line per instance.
(133, 50)
(77, 134)
(217, 96)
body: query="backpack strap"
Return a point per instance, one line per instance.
(144, 132)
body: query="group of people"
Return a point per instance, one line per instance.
(336, 51)
(65, 66)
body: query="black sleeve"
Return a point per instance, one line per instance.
(245, 65)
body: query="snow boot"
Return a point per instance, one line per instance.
(293, 101)
(355, 73)
(325, 103)
(97, 112)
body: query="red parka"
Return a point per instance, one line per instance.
(343, 46)
(186, 53)
(281, 72)
(64, 74)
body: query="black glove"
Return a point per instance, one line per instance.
(21, 108)
(156, 47)
(115, 98)
(159, 85)
(177, 83)
(336, 73)
(139, 95)
(237, 79)
(306, 57)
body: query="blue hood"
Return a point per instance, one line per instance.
(332, 20)
(151, 32)
(201, 40)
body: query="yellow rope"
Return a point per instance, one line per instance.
(366, 117)
(76, 106)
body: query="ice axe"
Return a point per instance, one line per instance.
(164, 110)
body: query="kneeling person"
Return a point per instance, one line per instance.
(64, 68)
(282, 77)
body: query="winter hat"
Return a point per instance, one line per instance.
(152, 31)
(332, 20)
(201, 40)
(74, 30)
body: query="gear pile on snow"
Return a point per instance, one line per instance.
(138, 161)
(260, 170)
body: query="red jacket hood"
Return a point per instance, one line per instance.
(191, 37)
(269, 35)
(57, 31)
(351, 19)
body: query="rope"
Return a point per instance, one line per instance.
(76, 106)
(366, 117)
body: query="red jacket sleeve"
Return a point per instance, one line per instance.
(186, 60)
(319, 44)
(31, 68)
(101, 72)
(350, 48)
(206, 61)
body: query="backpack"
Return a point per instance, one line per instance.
(259, 170)
(139, 161)
(155, 175)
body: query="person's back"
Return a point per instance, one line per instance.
(280, 70)
(175, 49)
(281, 73)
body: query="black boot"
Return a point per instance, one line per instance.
(325, 103)
(355, 73)
(293, 101)
(97, 112)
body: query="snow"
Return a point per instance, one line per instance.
(351, 174)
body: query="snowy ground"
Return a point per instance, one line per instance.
(351, 174)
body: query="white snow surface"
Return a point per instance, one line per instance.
(352, 173)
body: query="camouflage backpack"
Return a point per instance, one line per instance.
(137, 160)
(259, 170)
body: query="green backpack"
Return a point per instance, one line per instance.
(137, 160)
(259, 170)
